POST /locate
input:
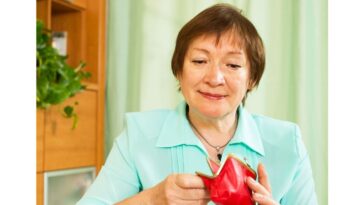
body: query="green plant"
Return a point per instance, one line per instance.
(56, 80)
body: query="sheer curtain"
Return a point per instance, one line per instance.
(141, 37)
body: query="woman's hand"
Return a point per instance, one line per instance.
(180, 189)
(262, 193)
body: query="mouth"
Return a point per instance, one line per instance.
(212, 96)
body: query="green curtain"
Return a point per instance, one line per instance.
(141, 37)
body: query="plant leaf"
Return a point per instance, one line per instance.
(56, 80)
(68, 111)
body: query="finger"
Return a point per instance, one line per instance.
(263, 177)
(263, 199)
(189, 181)
(191, 187)
(193, 194)
(193, 202)
(203, 202)
(256, 187)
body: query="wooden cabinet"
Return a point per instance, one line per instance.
(66, 147)
(40, 140)
(40, 188)
(59, 147)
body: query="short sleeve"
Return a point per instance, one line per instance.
(302, 189)
(118, 178)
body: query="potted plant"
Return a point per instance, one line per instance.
(56, 80)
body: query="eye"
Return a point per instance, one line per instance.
(199, 61)
(234, 66)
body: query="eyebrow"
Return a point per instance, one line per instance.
(235, 52)
(201, 49)
(230, 52)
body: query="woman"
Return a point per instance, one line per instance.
(218, 59)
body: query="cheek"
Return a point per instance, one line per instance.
(240, 89)
(240, 82)
(186, 82)
(190, 77)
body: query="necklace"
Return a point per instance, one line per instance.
(217, 148)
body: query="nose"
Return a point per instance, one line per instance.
(214, 76)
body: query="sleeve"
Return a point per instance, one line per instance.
(302, 189)
(118, 178)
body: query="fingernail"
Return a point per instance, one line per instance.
(257, 196)
(251, 180)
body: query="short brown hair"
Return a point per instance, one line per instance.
(217, 20)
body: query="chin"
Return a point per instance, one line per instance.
(212, 112)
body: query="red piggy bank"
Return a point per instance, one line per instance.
(228, 186)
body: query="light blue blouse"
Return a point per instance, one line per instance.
(157, 143)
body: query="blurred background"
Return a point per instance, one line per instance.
(140, 41)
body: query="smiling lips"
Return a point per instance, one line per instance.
(212, 96)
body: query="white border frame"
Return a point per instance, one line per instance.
(64, 172)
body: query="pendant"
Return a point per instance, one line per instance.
(219, 156)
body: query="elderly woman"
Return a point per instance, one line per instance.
(218, 59)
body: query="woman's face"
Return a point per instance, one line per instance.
(215, 77)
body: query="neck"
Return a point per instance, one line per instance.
(222, 128)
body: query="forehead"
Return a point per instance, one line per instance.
(228, 39)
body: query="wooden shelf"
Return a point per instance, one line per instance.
(73, 24)
(62, 6)
(91, 86)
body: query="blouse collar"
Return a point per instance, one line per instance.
(177, 131)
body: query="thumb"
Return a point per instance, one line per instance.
(189, 181)
(263, 177)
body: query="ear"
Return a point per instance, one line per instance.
(179, 77)
(251, 84)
